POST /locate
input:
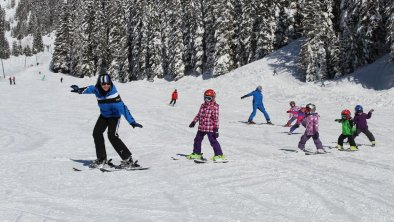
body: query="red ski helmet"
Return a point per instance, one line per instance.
(210, 92)
(346, 114)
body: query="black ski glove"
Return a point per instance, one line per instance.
(76, 89)
(192, 124)
(243, 97)
(216, 131)
(135, 124)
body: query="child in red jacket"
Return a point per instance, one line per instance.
(208, 118)
(174, 97)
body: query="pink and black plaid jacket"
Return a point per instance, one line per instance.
(208, 117)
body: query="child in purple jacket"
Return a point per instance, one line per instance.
(360, 119)
(312, 129)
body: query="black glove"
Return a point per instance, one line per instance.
(135, 124)
(216, 131)
(243, 97)
(75, 88)
(192, 124)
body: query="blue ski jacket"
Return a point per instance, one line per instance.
(111, 105)
(257, 97)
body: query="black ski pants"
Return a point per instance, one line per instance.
(350, 139)
(366, 132)
(112, 124)
(173, 101)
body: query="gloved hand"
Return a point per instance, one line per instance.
(216, 131)
(288, 111)
(75, 88)
(135, 124)
(243, 97)
(192, 124)
(371, 110)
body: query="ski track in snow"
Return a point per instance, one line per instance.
(46, 130)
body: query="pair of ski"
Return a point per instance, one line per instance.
(306, 152)
(111, 167)
(203, 160)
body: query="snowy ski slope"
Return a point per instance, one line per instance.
(45, 131)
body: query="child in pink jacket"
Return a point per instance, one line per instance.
(312, 129)
(208, 118)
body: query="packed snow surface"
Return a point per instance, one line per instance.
(46, 130)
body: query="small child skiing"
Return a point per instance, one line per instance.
(208, 118)
(312, 129)
(347, 131)
(111, 108)
(360, 120)
(293, 113)
(301, 113)
(13, 79)
(174, 97)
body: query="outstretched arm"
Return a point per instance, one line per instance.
(83, 90)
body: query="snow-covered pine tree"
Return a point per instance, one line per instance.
(118, 68)
(390, 27)
(209, 18)
(38, 45)
(63, 52)
(168, 23)
(101, 29)
(190, 36)
(4, 45)
(320, 50)
(86, 64)
(262, 37)
(135, 29)
(370, 31)
(240, 33)
(282, 23)
(15, 49)
(27, 51)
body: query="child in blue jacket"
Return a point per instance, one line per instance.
(111, 108)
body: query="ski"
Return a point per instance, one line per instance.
(203, 160)
(315, 153)
(179, 156)
(113, 169)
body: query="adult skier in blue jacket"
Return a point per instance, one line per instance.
(111, 108)
(257, 104)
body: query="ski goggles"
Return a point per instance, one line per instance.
(208, 98)
(105, 83)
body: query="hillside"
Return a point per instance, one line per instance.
(46, 130)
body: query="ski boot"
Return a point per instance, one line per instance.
(373, 143)
(99, 162)
(353, 148)
(219, 159)
(340, 148)
(194, 156)
(127, 163)
(287, 125)
(269, 122)
(320, 151)
(251, 122)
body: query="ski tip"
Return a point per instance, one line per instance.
(76, 169)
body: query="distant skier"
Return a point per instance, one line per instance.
(257, 104)
(312, 129)
(347, 130)
(61, 80)
(360, 119)
(293, 113)
(301, 113)
(10, 78)
(13, 79)
(111, 108)
(208, 118)
(174, 97)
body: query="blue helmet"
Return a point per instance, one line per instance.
(358, 109)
